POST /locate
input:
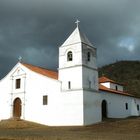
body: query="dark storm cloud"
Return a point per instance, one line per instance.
(34, 29)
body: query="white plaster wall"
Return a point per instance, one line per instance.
(5, 103)
(92, 63)
(106, 84)
(74, 75)
(92, 108)
(66, 109)
(77, 57)
(113, 86)
(36, 87)
(116, 105)
(90, 78)
(137, 101)
(6, 96)
(134, 109)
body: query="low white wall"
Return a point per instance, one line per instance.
(116, 105)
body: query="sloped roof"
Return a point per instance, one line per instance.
(105, 79)
(103, 88)
(54, 75)
(77, 37)
(43, 71)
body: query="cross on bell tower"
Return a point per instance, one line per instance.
(77, 22)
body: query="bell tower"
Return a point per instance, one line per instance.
(79, 78)
(77, 63)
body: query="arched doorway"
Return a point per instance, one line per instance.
(17, 108)
(104, 109)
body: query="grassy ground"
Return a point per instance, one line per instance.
(111, 129)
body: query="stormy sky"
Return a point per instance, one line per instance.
(34, 29)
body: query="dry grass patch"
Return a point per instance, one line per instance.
(110, 129)
(18, 124)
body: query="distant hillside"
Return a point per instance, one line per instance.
(127, 72)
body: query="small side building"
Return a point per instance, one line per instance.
(115, 102)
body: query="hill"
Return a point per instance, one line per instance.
(127, 72)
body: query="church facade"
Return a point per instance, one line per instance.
(73, 96)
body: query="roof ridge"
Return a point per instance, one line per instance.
(38, 66)
(75, 37)
(43, 71)
(105, 79)
(83, 36)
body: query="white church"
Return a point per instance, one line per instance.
(73, 96)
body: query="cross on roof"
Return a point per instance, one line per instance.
(20, 58)
(77, 22)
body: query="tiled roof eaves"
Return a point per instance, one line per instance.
(114, 91)
(105, 79)
(42, 71)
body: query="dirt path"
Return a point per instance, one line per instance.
(125, 129)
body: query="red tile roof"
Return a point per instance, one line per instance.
(103, 88)
(105, 79)
(43, 71)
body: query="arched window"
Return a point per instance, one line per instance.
(88, 56)
(69, 56)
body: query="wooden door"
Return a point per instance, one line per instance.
(17, 108)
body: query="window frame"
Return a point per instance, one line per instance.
(18, 83)
(45, 99)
